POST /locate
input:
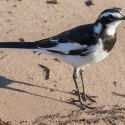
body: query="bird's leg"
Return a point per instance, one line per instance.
(84, 95)
(83, 105)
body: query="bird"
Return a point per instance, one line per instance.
(80, 47)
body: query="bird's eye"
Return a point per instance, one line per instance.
(110, 17)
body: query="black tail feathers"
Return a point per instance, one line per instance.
(18, 45)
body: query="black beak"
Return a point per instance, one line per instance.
(123, 18)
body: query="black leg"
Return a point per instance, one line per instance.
(83, 105)
(84, 94)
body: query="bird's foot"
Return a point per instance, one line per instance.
(84, 96)
(83, 104)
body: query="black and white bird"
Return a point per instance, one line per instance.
(80, 46)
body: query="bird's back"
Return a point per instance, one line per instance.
(82, 35)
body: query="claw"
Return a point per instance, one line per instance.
(86, 105)
(84, 97)
(74, 92)
(90, 98)
(83, 105)
(73, 100)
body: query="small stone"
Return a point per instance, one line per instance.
(52, 90)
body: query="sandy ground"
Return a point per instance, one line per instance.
(27, 98)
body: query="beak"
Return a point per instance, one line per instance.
(123, 18)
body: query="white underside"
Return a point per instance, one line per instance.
(96, 55)
(112, 26)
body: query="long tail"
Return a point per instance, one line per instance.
(18, 45)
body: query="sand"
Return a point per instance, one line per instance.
(27, 97)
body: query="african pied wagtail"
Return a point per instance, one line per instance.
(80, 47)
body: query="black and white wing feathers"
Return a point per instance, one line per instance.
(76, 41)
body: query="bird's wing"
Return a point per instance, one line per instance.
(76, 41)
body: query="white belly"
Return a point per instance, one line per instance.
(96, 54)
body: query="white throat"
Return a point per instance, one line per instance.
(111, 27)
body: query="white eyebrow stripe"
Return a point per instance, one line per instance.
(118, 15)
(121, 13)
(104, 14)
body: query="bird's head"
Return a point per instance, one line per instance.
(109, 19)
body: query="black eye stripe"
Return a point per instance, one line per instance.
(112, 17)
(109, 15)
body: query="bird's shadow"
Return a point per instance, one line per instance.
(5, 82)
(117, 94)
